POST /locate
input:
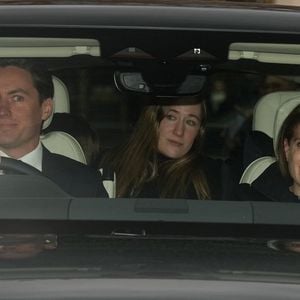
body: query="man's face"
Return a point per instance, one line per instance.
(21, 113)
(292, 154)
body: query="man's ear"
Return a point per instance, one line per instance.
(47, 108)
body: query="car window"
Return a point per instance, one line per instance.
(149, 140)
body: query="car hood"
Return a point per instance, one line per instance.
(93, 256)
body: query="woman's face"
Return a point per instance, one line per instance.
(292, 154)
(178, 129)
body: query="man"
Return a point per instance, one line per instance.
(26, 93)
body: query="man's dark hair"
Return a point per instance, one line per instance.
(41, 77)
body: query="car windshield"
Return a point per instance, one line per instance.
(151, 127)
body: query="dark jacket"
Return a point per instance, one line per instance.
(73, 177)
(212, 169)
(271, 185)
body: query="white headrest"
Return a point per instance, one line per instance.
(61, 99)
(64, 144)
(266, 108)
(256, 168)
(282, 113)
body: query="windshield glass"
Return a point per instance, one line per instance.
(124, 136)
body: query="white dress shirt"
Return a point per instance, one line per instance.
(33, 158)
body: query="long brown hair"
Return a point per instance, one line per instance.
(136, 162)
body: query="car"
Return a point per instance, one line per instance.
(109, 60)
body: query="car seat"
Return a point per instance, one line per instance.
(257, 167)
(62, 143)
(259, 142)
(58, 141)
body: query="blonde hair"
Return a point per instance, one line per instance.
(136, 162)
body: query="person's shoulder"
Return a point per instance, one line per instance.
(272, 184)
(245, 192)
(74, 177)
(271, 172)
(67, 163)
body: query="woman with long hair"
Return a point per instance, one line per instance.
(163, 158)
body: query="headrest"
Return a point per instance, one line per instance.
(266, 108)
(256, 168)
(61, 100)
(64, 144)
(282, 113)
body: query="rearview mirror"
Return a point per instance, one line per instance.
(162, 86)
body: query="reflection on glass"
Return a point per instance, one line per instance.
(287, 245)
(20, 246)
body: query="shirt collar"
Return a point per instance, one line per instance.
(33, 158)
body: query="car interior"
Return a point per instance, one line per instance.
(269, 114)
(111, 91)
(58, 141)
(107, 75)
(109, 61)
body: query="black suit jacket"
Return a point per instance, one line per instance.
(271, 185)
(71, 176)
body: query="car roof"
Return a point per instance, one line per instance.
(245, 22)
(208, 25)
(139, 14)
(225, 3)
